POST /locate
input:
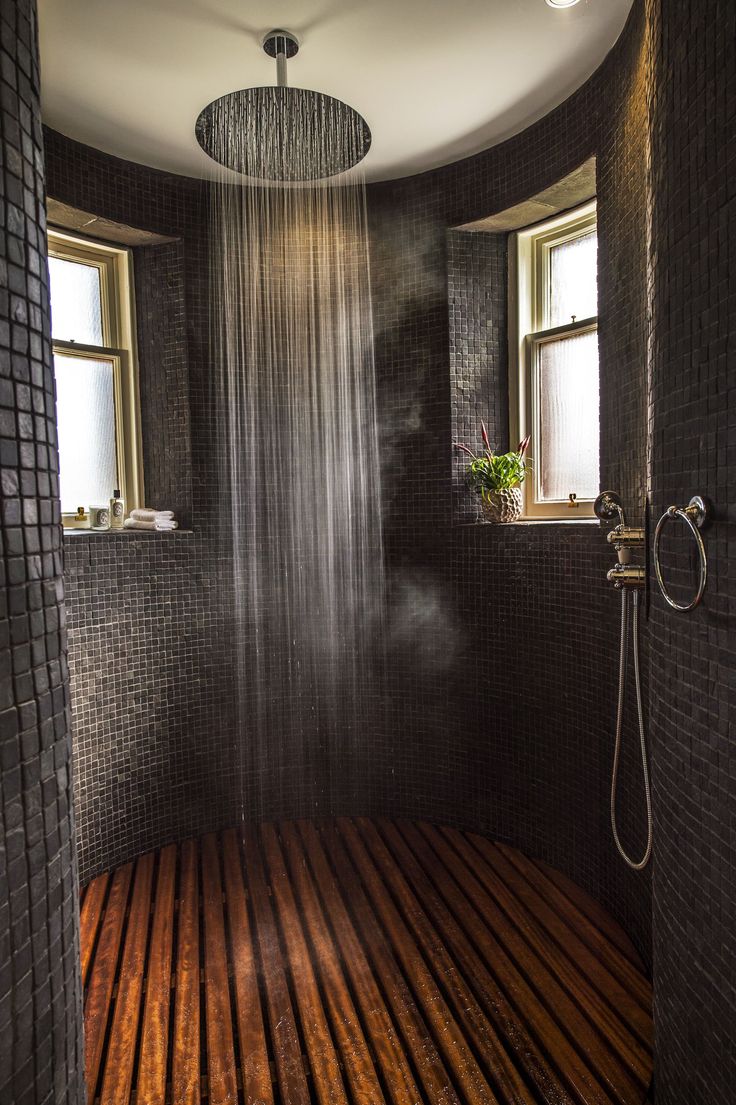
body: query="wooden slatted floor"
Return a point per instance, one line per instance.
(356, 963)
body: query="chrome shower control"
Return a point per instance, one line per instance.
(630, 579)
(626, 537)
(609, 505)
(627, 575)
(623, 538)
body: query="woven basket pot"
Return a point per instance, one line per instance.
(502, 506)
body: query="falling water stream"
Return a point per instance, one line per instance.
(293, 348)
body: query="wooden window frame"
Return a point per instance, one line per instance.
(529, 301)
(115, 265)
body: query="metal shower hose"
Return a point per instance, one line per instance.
(637, 866)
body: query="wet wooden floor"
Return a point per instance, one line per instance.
(356, 962)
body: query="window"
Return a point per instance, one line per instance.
(555, 348)
(97, 407)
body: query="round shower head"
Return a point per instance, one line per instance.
(281, 133)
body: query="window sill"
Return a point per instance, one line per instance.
(553, 522)
(74, 534)
(530, 522)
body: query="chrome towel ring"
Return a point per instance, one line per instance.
(695, 515)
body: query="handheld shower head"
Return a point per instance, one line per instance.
(609, 505)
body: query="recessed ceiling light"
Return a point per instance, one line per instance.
(562, 3)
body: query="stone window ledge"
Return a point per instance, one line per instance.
(75, 534)
(566, 522)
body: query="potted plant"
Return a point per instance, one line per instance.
(497, 478)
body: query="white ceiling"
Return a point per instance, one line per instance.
(435, 79)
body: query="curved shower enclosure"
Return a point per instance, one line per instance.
(362, 807)
(332, 959)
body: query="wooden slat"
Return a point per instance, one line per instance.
(452, 883)
(421, 1047)
(282, 1022)
(575, 949)
(601, 1015)
(120, 1061)
(365, 1088)
(528, 1055)
(455, 884)
(151, 1081)
(448, 1033)
(185, 1043)
(323, 1059)
(509, 1084)
(257, 1087)
(90, 917)
(102, 979)
(388, 963)
(591, 910)
(600, 942)
(221, 1075)
(591, 1044)
(379, 1026)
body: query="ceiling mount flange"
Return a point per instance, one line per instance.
(281, 42)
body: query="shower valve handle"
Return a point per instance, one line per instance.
(627, 575)
(631, 537)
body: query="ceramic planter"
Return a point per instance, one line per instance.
(502, 506)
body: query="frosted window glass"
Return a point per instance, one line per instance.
(76, 304)
(85, 413)
(573, 275)
(567, 452)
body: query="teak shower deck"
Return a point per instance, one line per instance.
(356, 963)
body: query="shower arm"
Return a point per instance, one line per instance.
(281, 69)
(281, 45)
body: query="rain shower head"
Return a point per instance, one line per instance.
(281, 133)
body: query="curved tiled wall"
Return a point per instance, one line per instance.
(693, 656)
(510, 725)
(40, 1002)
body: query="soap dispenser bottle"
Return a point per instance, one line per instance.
(117, 510)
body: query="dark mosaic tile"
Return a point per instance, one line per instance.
(40, 990)
(164, 378)
(693, 656)
(477, 281)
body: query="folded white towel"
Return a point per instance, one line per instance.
(164, 525)
(136, 523)
(149, 514)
